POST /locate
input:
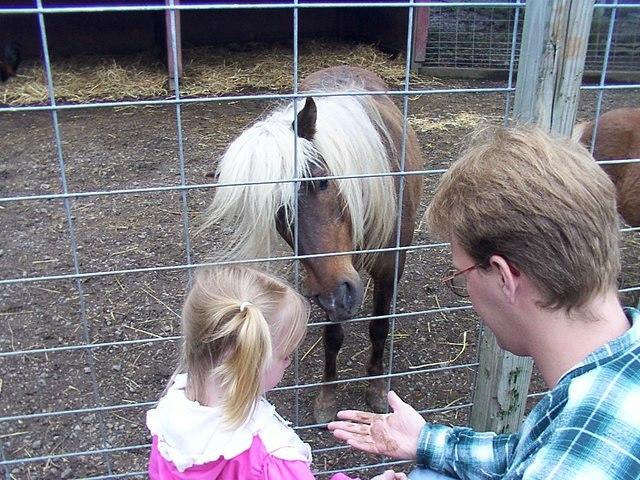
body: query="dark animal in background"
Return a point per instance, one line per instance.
(618, 138)
(10, 61)
(337, 135)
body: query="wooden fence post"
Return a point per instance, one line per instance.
(552, 55)
(170, 60)
(420, 34)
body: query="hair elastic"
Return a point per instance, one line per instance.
(244, 305)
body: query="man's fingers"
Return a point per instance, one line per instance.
(357, 440)
(359, 428)
(336, 424)
(343, 435)
(361, 444)
(386, 475)
(357, 416)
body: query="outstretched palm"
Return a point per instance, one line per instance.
(394, 434)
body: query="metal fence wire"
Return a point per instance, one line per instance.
(98, 204)
(481, 37)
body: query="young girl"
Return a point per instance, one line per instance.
(240, 328)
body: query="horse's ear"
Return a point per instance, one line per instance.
(307, 120)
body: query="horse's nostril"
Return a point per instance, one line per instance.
(342, 302)
(328, 303)
(346, 290)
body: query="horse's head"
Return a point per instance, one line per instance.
(324, 226)
(332, 215)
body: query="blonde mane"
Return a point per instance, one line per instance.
(350, 140)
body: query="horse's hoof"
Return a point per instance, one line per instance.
(376, 397)
(325, 408)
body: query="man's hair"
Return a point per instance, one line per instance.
(233, 323)
(540, 201)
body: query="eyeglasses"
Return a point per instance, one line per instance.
(457, 281)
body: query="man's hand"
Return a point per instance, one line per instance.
(390, 475)
(393, 435)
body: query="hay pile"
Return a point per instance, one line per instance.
(207, 71)
(464, 120)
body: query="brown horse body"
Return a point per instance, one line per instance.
(382, 267)
(618, 138)
(337, 135)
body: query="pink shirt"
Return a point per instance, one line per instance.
(190, 443)
(253, 464)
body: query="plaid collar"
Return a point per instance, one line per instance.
(611, 349)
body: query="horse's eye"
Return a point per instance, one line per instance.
(323, 184)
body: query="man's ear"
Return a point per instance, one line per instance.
(307, 120)
(509, 276)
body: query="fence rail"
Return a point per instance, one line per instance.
(83, 348)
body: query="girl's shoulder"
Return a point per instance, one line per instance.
(279, 439)
(189, 433)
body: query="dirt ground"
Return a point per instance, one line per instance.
(109, 149)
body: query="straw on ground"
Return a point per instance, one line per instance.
(207, 71)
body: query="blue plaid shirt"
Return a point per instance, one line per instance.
(587, 427)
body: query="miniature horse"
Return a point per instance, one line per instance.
(337, 136)
(618, 138)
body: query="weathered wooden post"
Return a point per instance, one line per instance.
(554, 46)
(172, 24)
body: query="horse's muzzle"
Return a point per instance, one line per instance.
(343, 302)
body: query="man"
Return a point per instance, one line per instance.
(534, 237)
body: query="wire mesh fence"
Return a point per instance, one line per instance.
(99, 202)
(482, 37)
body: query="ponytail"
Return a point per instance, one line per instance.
(231, 325)
(241, 372)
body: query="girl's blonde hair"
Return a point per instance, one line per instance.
(233, 320)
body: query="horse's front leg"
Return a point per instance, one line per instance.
(376, 394)
(325, 406)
